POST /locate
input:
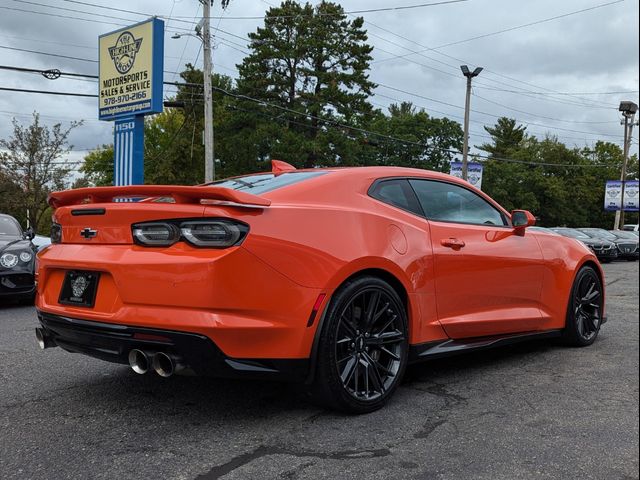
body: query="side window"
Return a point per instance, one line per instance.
(396, 192)
(451, 203)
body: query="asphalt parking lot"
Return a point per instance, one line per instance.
(537, 410)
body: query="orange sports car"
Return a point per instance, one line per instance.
(338, 278)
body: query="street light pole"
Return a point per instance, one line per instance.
(628, 110)
(209, 160)
(465, 146)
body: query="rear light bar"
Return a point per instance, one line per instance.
(208, 233)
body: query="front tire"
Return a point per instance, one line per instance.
(363, 347)
(584, 315)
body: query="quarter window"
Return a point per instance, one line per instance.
(447, 202)
(396, 192)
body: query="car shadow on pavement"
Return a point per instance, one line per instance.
(219, 399)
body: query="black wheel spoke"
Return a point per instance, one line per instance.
(374, 374)
(589, 322)
(350, 329)
(580, 324)
(349, 370)
(372, 307)
(386, 338)
(390, 353)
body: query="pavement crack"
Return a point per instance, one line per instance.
(264, 451)
(429, 428)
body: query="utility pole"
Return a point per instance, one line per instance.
(209, 160)
(465, 148)
(628, 110)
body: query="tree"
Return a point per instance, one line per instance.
(430, 142)
(506, 136)
(34, 160)
(313, 62)
(98, 166)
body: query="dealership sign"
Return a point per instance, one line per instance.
(613, 195)
(130, 86)
(631, 196)
(131, 64)
(474, 173)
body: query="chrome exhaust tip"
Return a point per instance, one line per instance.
(44, 340)
(138, 361)
(166, 365)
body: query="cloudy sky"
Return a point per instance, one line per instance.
(563, 76)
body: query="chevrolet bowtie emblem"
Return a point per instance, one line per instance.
(88, 233)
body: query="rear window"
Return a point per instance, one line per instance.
(265, 182)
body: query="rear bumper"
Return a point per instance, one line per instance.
(244, 306)
(113, 342)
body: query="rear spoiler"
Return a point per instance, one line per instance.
(180, 194)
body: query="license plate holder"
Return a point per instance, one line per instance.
(79, 288)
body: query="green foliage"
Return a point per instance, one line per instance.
(98, 166)
(562, 195)
(314, 61)
(32, 166)
(430, 141)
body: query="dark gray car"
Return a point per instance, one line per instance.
(605, 250)
(17, 260)
(627, 247)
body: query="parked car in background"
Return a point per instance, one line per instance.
(624, 240)
(542, 229)
(41, 241)
(627, 248)
(629, 227)
(605, 250)
(17, 260)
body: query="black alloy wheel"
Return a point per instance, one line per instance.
(584, 317)
(364, 345)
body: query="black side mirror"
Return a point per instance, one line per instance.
(29, 233)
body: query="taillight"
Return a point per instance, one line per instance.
(157, 234)
(213, 233)
(209, 233)
(56, 233)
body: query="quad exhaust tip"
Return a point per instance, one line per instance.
(44, 340)
(139, 361)
(166, 365)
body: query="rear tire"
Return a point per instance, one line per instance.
(584, 314)
(363, 347)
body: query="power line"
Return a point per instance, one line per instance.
(490, 114)
(49, 92)
(49, 54)
(182, 84)
(539, 116)
(455, 67)
(226, 43)
(342, 126)
(517, 27)
(355, 12)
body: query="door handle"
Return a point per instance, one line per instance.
(452, 243)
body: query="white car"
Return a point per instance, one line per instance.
(630, 227)
(41, 241)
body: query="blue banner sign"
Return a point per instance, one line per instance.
(631, 196)
(474, 173)
(613, 195)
